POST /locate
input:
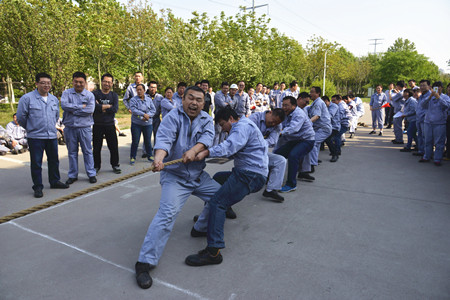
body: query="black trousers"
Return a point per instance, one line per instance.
(388, 115)
(109, 132)
(447, 145)
(332, 141)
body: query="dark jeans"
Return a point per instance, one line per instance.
(389, 115)
(447, 145)
(294, 151)
(109, 132)
(412, 134)
(341, 132)
(332, 142)
(136, 131)
(156, 122)
(235, 186)
(36, 148)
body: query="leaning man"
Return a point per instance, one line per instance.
(38, 112)
(183, 133)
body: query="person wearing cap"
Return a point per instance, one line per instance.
(241, 99)
(184, 132)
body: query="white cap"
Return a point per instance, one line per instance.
(234, 86)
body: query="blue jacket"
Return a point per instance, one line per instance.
(420, 110)
(246, 145)
(319, 108)
(270, 134)
(157, 99)
(409, 110)
(167, 106)
(344, 113)
(378, 100)
(296, 126)
(242, 104)
(398, 102)
(141, 107)
(37, 116)
(75, 115)
(177, 134)
(335, 115)
(437, 109)
(221, 101)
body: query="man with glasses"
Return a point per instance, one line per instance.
(38, 112)
(106, 106)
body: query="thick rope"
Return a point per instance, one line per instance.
(79, 193)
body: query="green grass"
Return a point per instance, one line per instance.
(6, 113)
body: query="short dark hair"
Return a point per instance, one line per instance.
(168, 88)
(350, 95)
(182, 84)
(141, 84)
(204, 81)
(438, 84)
(291, 99)
(283, 83)
(79, 75)
(14, 115)
(401, 83)
(316, 89)
(194, 88)
(153, 82)
(138, 72)
(278, 112)
(107, 75)
(275, 83)
(304, 95)
(224, 83)
(409, 92)
(42, 75)
(225, 114)
(325, 98)
(259, 83)
(425, 80)
(293, 83)
(198, 82)
(412, 80)
(337, 96)
(345, 97)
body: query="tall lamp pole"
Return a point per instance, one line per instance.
(324, 72)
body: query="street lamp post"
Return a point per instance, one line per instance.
(324, 72)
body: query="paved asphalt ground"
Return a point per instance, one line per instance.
(374, 225)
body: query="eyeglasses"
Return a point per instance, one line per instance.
(103, 81)
(45, 83)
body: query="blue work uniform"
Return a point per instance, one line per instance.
(322, 127)
(398, 102)
(246, 145)
(242, 104)
(277, 163)
(376, 102)
(435, 125)
(333, 139)
(177, 134)
(139, 125)
(420, 121)
(167, 105)
(409, 112)
(221, 101)
(130, 93)
(78, 120)
(39, 118)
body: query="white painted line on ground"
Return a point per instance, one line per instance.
(88, 195)
(166, 284)
(44, 166)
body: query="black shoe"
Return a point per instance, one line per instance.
(143, 278)
(117, 170)
(71, 180)
(405, 150)
(397, 143)
(334, 158)
(144, 155)
(38, 193)
(274, 195)
(92, 179)
(372, 132)
(122, 134)
(380, 134)
(207, 256)
(59, 185)
(389, 127)
(424, 160)
(305, 177)
(312, 169)
(351, 135)
(230, 214)
(2, 153)
(319, 161)
(417, 154)
(195, 233)
(195, 218)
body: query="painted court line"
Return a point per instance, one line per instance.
(98, 257)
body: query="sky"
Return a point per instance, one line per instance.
(351, 23)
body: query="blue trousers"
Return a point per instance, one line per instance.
(136, 131)
(37, 148)
(174, 193)
(236, 185)
(398, 129)
(420, 136)
(332, 142)
(294, 151)
(377, 118)
(341, 132)
(82, 136)
(277, 167)
(434, 136)
(321, 135)
(412, 130)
